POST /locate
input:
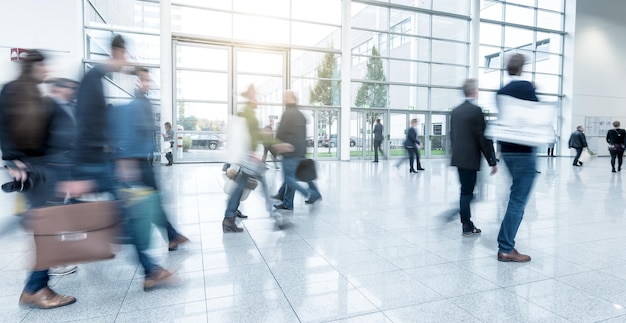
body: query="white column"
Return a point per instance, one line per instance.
(568, 107)
(167, 103)
(346, 67)
(474, 40)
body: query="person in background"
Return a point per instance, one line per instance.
(292, 131)
(578, 141)
(268, 141)
(62, 138)
(378, 140)
(24, 120)
(521, 163)
(615, 139)
(169, 137)
(411, 144)
(467, 136)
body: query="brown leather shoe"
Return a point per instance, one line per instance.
(180, 239)
(46, 298)
(155, 279)
(513, 256)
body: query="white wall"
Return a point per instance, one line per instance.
(55, 27)
(599, 75)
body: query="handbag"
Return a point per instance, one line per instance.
(73, 233)
(306, 170)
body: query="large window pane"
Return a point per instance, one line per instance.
(530, 3)
(408, 97)
(197, 116)
(519, 15)
(487, 101)
(454, 6)
(490, 57)
(313, 35)
(260, 29)
(489, 79)
(548, 83)
(408, 72)
(491, 10)
(369, 95)
(548, 63)
(448, 75)
(259, 62)
(277, 8)
(450, 28)
(326, 11)
(135, 14)
(490, 34)
(445, 99)
(370, 17)
(556, 5)
(549, 20)
(201, 22)
(425, 4)
(202, 57)
(517, 37)
(410, 22)
(192, 85)
(269, 89)
(549, 42)
(222, 4)
(448, 52)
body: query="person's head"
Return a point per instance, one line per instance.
(580, 128)
(34, 68)
(470, 88)
(64, 89)
(289, 98)
(515, 64)
(143, 79)
(168, 125)
(616, 124)
(413, 123)
(118, 53)
(250, 95)
(377, 121)
(271, 122)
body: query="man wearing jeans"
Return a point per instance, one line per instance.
(521, 162)
(292, 130)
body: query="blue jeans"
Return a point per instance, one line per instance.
(149, 179)
(235, 196)
(290, 165)
(523, 170)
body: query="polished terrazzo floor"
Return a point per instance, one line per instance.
(377, 248)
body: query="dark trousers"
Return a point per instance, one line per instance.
(619, 153)
(468, 182)
(579, 151)
(377, 145)
(413, 155)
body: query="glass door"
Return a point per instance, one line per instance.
(438, 137)
(209, 80)
(362, 133)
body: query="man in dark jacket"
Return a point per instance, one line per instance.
(578, 141)
(467, 128)
(521, 163)
(292, 130)
(378, 140)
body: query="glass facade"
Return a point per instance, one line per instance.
(408, 58)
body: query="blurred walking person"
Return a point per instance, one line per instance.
(411, 145)
(467, 128)
(615, 139)
(168, 136)
(378, 140)
(24, 120)
(578, 141)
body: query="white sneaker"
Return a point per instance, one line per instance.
(62, 270)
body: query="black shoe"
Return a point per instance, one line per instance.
(240, 215)
(421, 169)
(471, 232)
(619, 169)
(229, 225)
(169, 164)
(613, 170)
(278, 197)
(281, 206)
(580, 163)
(374, 161)
(412, 171)
(312, 200)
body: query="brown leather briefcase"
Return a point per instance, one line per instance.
(73, 233)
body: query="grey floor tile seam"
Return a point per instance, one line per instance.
(274, 276)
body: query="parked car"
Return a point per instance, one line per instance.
(332, 141)
(208, 141)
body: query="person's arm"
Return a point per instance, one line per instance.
(486, 145)
(608, 136)
(584, 139)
